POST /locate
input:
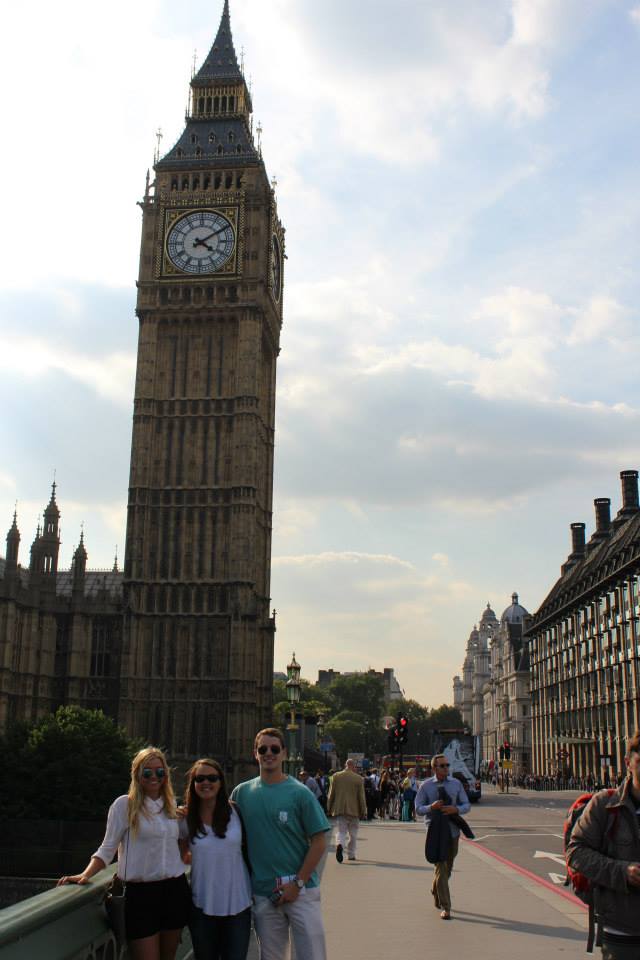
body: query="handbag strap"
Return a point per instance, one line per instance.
(126, 852)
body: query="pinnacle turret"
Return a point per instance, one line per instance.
(13, 542)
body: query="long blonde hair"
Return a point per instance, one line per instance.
(136, 795)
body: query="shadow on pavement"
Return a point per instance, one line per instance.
(392, 866)
(503, 923)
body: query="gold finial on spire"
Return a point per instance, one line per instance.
(193, 64)
(242, 61)
(259, 132)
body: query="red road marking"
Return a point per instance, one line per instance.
(532, 876)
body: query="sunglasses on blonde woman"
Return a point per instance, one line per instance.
(147, 773)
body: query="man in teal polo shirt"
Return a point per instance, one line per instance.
(285, 827)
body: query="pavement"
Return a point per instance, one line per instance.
(380, 905)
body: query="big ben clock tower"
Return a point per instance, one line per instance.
(197, 660)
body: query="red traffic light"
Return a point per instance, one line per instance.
(403, 721)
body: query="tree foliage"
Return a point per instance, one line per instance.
(69, 765)
(354, 706)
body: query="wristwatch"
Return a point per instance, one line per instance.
(298, 882)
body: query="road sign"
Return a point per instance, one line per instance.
(506, 764)
(327, 747)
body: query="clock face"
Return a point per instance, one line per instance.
(276, 268)
(200, 242)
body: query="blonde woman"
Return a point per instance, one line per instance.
(143, 828)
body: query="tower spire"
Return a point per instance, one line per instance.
(221, 60)
(218, 120)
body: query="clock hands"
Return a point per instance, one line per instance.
(202, 241)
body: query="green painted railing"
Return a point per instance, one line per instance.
(67, 923)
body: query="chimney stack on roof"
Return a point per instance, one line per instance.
(603, 515)
(578, 539)
(629, 479)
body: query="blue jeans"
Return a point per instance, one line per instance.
(220, 938)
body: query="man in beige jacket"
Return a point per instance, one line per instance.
(346, 801)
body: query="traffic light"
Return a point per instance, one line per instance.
(507, 750)
(394, 740)
(403, 728)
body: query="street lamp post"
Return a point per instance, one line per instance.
(320, 724)
(293, 697)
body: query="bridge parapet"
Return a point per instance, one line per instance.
(67, 923)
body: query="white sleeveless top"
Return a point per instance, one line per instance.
(220, 882)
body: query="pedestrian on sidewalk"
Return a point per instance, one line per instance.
(446, 794)
(347, 802)
(310, 783)
(285, 827)
(409, 791)
(605, 847)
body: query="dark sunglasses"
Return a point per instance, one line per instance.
(147, 773)
(274, 748)
(210, 777)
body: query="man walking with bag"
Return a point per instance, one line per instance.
(443, 796)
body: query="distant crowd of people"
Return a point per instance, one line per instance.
(556, 781)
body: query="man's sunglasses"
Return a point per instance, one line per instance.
(147, 773)
(209, 777)
(275, 748)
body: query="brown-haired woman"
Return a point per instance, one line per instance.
(143, 828)
(220, 884)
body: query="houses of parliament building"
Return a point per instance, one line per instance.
(178, 646)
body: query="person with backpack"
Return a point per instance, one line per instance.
(603, 861)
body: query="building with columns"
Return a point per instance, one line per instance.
(467, 692)
(506, 697)
(493, 692)
(187, 634)
(584, 645)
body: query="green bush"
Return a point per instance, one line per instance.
(69, 765)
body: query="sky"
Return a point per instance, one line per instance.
(458, 377)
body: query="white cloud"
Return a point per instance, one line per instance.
(603, 318)
(110, 377)
(634, 14)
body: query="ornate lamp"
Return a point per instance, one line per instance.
(293, 697)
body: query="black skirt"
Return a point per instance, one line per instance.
(156, 906)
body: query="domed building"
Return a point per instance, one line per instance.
(493, 692)
(506, 696)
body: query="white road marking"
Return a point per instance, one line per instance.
(558, 878)
(543, 854)
(508, 835)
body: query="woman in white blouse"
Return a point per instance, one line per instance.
(220, 884)
(143, 828)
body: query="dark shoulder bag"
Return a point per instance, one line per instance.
(115, 902)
